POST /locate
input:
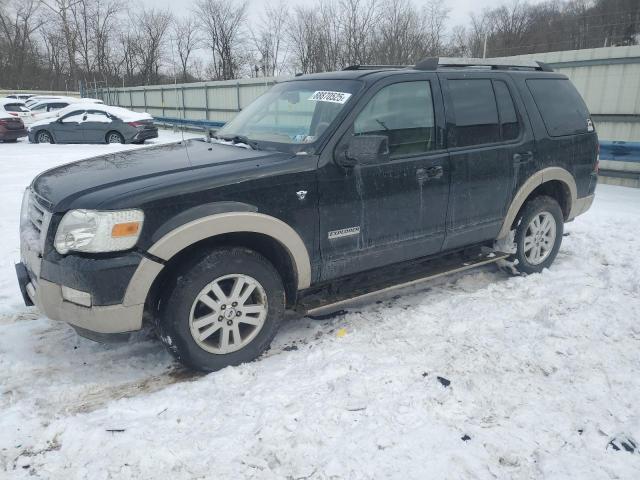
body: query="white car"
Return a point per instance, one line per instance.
(21, 96)
(39, 98)
(14, 108)
(48, 108)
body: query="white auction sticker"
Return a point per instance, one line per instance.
(333, 97)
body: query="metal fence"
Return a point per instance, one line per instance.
(4, 93)
(215, 102)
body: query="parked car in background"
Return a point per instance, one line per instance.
(14, 108)
(38, 98)
(11, 128)
(21, 96)
(48, 108)
(84, 122)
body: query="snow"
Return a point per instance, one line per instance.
(543, 375)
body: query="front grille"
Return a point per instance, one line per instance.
(36, 214)
(34, 229)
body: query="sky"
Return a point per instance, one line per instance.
(459, 9)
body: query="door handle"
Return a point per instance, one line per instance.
(435, 172)
(523, 157)
(429, 173)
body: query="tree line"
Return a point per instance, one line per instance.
(56, 44)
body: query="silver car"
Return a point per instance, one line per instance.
(92, 123)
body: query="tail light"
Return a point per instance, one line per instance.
(136, 124)
(13, 113)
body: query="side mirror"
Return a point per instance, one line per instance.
(366, 150)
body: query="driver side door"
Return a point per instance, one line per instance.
(67, 129)
(394, 209)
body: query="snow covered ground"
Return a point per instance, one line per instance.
(544, 372)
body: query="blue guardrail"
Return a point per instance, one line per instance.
(204, 124)
(620, 151)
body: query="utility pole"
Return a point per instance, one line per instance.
(484, 50)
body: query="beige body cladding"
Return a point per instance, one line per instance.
(210, 226)
(575, 206)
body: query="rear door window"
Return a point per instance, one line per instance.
(475, 112)
(404, 113)
(561, 106)
(52, 107)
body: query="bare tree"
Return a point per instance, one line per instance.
(153, 26)
(269, 39)
(186, 40)
(222, 23)
(17, 25)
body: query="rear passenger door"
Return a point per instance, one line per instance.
(95, 126)
(489, 144)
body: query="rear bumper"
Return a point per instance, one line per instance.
(47, 296)
(146, 134)
(581, 206)
(6, 134)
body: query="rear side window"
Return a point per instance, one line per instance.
(561, 106)
(56, 106)
(404, 113)
(509, 126)
(15, 107)
(475, 111)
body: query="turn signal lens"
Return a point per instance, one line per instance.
(125, 229)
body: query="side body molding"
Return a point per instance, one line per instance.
(540, 177)
(210, 226)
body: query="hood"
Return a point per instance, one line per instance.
(138, 169)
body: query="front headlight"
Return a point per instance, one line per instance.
(98, 231)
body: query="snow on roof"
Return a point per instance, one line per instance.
(118, 112)
(10, 101)
(122, 113)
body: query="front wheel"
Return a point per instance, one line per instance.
(538, 235)
(44, 137)
(223, 309)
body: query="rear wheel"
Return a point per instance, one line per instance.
(44, 136)
(538, 235)
(114, 137)
(223, 309)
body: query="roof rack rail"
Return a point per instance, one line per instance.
(433, 63)
(375, 67)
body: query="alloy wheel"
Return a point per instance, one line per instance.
(114, 138)
(228, 313)
(539, 238)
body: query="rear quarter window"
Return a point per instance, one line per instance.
(561, 106)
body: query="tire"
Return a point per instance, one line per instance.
(114, 137)
(43, 136)
(185, 315)
(538, 235)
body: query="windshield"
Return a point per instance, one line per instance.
(293, 113)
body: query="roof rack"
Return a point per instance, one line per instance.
(375, 67)
(433, 63)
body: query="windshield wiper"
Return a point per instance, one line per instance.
(235, 139)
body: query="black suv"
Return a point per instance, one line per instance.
(327, 187)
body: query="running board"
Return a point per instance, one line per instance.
(383, 280)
